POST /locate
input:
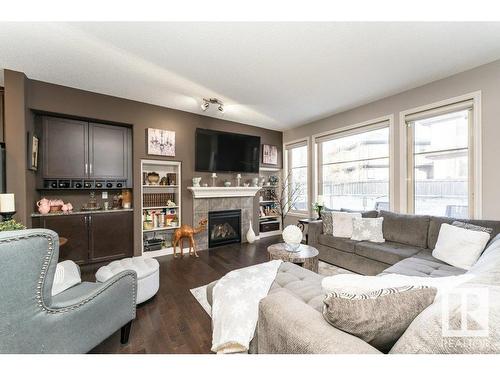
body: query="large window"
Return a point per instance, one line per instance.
(353, 168)
(297, 162)
(439, 162)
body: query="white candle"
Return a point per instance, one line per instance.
(320, 200)
(214, 175)
(238, 175)
(7, 203)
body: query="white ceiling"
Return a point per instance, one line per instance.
(273, 75)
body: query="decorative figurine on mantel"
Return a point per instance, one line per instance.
(187, 231)
(238, 178)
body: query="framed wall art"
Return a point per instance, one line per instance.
(160, 142)
(32, 152)
(269, 154)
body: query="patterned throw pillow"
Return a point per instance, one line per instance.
(326, 216)
(379, 317)
(368, 230)
(469, 226)
(342, 223)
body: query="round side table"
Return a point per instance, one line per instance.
(306, 257)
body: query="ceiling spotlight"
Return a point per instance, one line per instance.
(207, 102)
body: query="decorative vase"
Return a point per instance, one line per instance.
(292, 235)
(196, 181)
(250, 234)
(43, 206)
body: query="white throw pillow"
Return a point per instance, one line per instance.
(458, 246)
(342, 223)
(358, 284)
(368, 229)
(67, 275)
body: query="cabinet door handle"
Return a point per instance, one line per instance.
(86, 168)
(90, 220)
(85, 219)
(90, 169)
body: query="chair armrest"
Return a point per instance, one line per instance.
(289, 326)
(314, 229)
(79, 295)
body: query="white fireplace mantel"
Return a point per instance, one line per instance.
(223, 192)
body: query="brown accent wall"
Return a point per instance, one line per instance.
(18, 121)
(46, 97)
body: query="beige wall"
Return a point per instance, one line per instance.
(485, 78)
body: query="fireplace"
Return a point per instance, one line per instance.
(224, 227)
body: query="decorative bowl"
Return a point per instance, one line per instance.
(153, 178)
(292, 247)
(56, 208)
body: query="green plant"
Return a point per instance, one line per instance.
(10, 225)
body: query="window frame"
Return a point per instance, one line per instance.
(386, 121)
(287, 147)
(471, 102)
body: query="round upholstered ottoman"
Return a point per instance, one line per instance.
(148, 275)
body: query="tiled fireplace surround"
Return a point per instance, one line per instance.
(202, 206)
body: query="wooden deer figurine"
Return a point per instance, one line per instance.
(187, 231)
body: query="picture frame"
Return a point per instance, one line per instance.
(160, 142)
(33, 147)
(270, 154)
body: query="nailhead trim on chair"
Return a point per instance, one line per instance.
(41, 279)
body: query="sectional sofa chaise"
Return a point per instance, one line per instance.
(290, 317)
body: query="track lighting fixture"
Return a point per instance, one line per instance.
(206, 104)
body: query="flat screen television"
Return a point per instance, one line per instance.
(217, 151)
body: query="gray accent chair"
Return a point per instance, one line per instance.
(74, 321)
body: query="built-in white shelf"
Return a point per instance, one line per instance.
(269, 217)
(162, 167)
(160, 186)
(160, 229)
(269, 169)
(159, 207)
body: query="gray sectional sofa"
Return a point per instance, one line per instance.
(290, 317)
(410, 240)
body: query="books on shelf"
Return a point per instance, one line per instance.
(158, 199)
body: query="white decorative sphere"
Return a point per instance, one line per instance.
(292, 235)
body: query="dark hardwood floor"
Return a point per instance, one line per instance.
(173, 321)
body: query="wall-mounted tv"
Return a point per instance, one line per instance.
(226, 152)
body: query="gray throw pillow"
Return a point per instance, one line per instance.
(469, 226)
(379, 317)
(326, 216)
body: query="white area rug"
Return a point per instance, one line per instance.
(200, 293)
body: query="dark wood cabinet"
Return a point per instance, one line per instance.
(108, 151)
(92, 238)
(111, 236)
(72, 227)
(75, 149)
(65, 148)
